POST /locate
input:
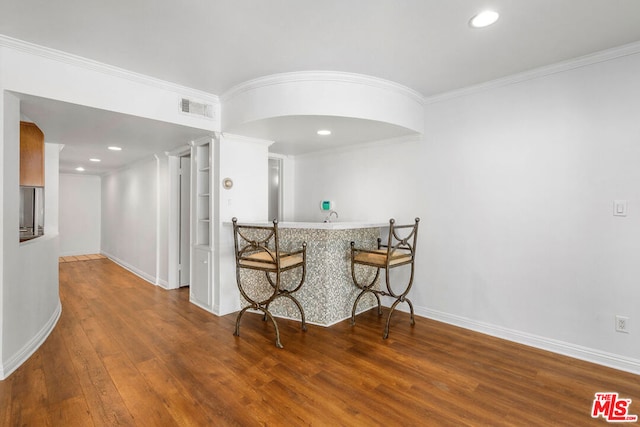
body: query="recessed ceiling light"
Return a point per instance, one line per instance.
(114, 148)
(80, 169)
(484, 19)
(324, 132)
(94, 160)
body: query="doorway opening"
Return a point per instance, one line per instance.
(275, 188)
(179, 238)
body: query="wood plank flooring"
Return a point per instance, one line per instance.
(127, 353)
(73, 258)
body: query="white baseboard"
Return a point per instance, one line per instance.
(163, 284)
(216, 309)
(149, 278)
(34, 343)
(228, 308)
(599, 357)
(202, 306)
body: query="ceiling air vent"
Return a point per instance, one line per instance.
(196, 108)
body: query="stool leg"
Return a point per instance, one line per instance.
(237, 331)
(268, 314)
(355, 304)
(413, 321)
(297, 303)
(364, 288)
(399, 298)
(385, 334)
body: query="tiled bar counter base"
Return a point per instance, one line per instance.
(328, 293)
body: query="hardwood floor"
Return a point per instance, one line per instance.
(127, 353)
(81, 257)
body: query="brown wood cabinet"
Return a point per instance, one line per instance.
(31, 155)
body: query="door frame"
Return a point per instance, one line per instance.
(285, 202)
(174, 215)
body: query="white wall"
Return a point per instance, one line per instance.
(80, 214)
(245, 161)
(134, 226)
(371, 182)
(515, 187)
(129, 217)
(29, 300)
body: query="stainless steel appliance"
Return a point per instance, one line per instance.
(31, 212)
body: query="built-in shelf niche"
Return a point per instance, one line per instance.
(202, 207)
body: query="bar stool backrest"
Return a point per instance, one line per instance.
(252, 240)
(402, 241)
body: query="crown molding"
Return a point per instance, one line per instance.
(322, 76)
(315, 76)
(89, 64)
(560, 67)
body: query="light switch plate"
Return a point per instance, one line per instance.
(619, 208)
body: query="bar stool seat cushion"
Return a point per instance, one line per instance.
(378, 257)
(264, 260)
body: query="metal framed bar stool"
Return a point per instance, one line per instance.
(399, 251)
(257, 248)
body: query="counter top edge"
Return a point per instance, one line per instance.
(320, 225)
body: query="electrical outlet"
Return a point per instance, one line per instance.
(622, 324)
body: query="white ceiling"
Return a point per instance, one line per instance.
(87, 132)
(287, 132)
(427, 45)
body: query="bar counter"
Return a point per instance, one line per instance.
(328, 293)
